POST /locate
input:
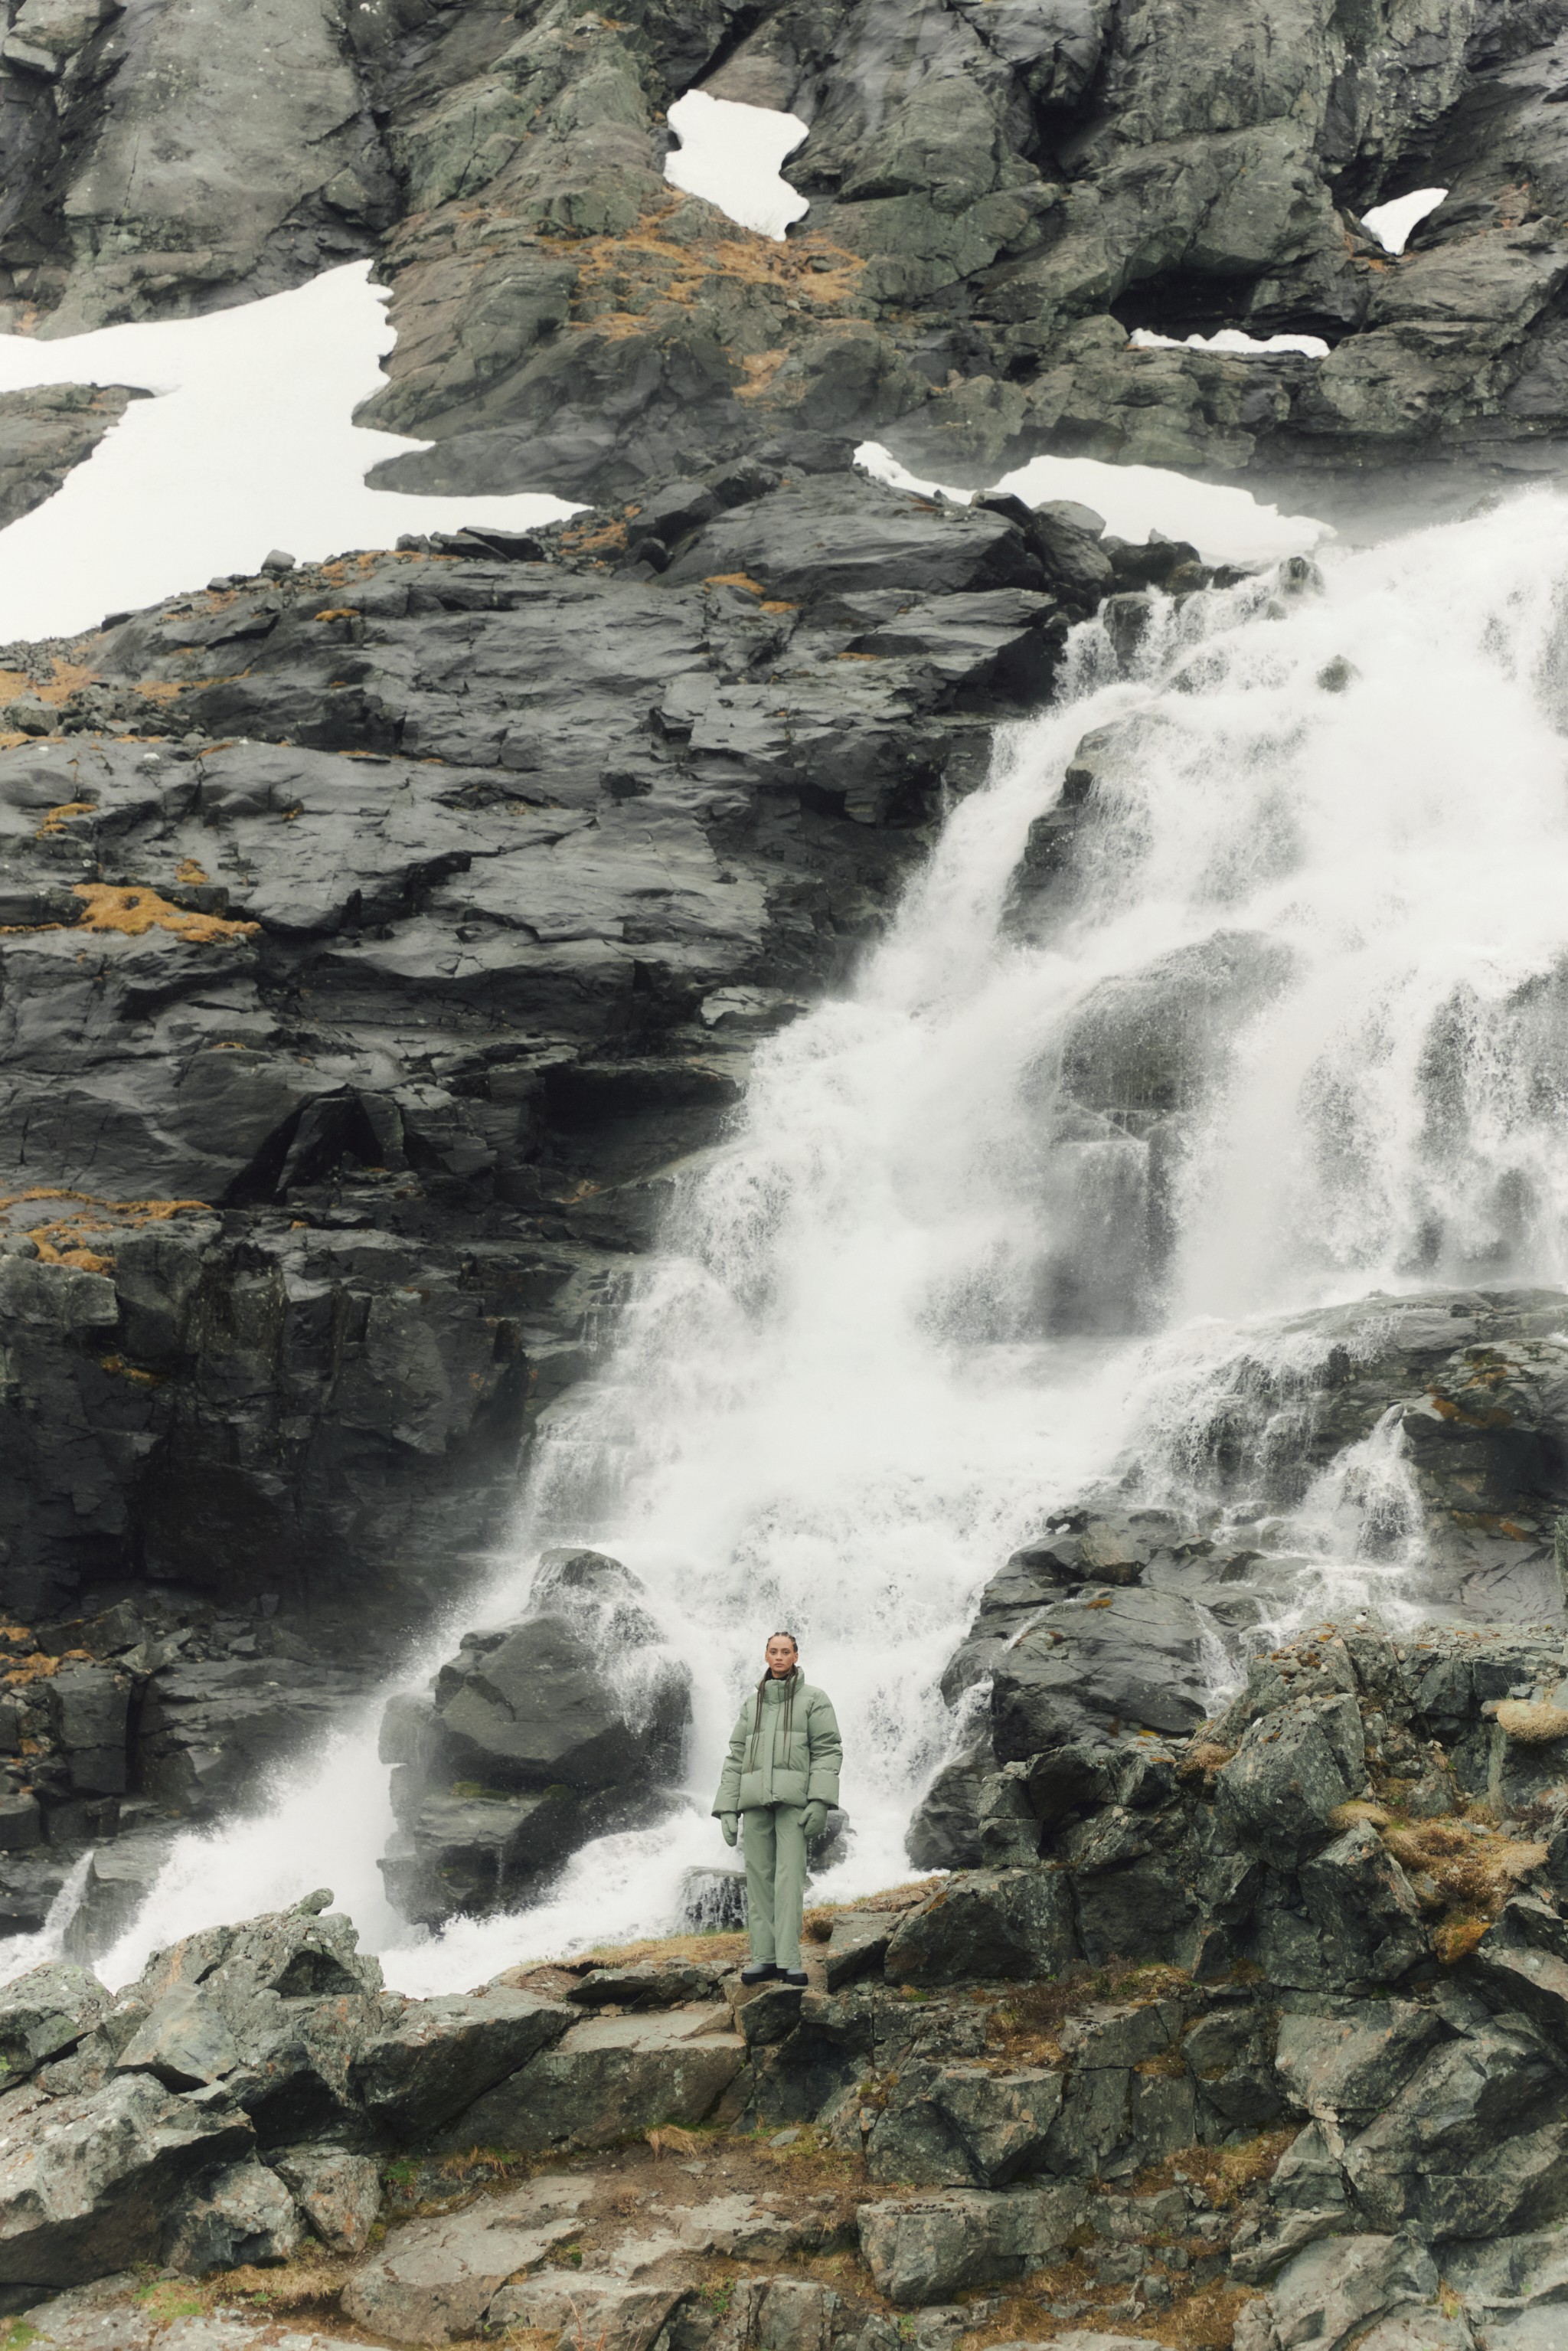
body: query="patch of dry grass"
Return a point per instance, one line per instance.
(1465, 1869)
(1530, 1725)
(1203, 2320)
(1224, 2173)
(1027, 2022)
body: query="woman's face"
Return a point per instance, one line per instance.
(782, 1654)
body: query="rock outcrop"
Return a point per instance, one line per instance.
(1095, 1630)
(535, 1738)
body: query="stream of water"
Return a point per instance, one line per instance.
(1287, 1030)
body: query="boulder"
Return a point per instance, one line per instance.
(1474, 2145)
(1342, 2064)
(443, 2053)
(275, 2010)
(340, 2193)
(45, 2012)
(606, 2079)
(934, 2246)
(1090, 1668)
(983, 1925)
(1292, 1771)
(242, 2214)
(87, 2182)
(962, 2127)
(1331, 2292)
(534, 1738)
(647, 1983)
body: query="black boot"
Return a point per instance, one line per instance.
(796, 1976)
(760, 1972)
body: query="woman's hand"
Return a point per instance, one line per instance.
(814, 1820)
(729, 1826)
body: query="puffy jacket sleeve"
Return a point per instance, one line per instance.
(827, 1752)
(728, 1797)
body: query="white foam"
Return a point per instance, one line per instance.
(1226, 525)
(1392, 223)
(249, 446)
(730, 155)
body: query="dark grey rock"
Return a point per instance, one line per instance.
(986, 1924)
(86, 2182)
(444, 2053)
(1094, 1665)
(933, 2246)
(535, 1738)
(241, 2215)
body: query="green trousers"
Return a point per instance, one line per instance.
(775, 1881)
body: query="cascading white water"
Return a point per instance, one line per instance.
(906, 1310)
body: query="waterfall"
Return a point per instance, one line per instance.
(1283, 1025)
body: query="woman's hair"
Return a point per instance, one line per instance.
(793, 1677)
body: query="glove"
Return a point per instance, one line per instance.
(814, 1820)
(729, 1827)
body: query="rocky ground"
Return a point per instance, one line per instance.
(1255, 2039)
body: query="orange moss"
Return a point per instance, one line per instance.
(735, 580)
(136, 911)
(64, 681)
(56, 818)
(189, 871)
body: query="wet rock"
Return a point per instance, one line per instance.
(535, 1738)
(445, 2053)
(119, 1876)
(608, 2078)
(45, 2014)
(87, 2182)
(933, 2246)
(45, 433)
(244, 2214)
(1090, 1666)
(983, 1925)
(1292, 1771)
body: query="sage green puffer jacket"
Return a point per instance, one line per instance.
(784, 1751)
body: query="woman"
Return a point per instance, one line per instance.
(780, 1775)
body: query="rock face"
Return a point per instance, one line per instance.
(997, 195)
(422, 995)
(534, 1738)
(1092, 1632)
(45, 433)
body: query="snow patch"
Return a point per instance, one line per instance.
(1225, 525)
(1231, 338)
(730, 154)
(1391, 223)
(250, 445)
